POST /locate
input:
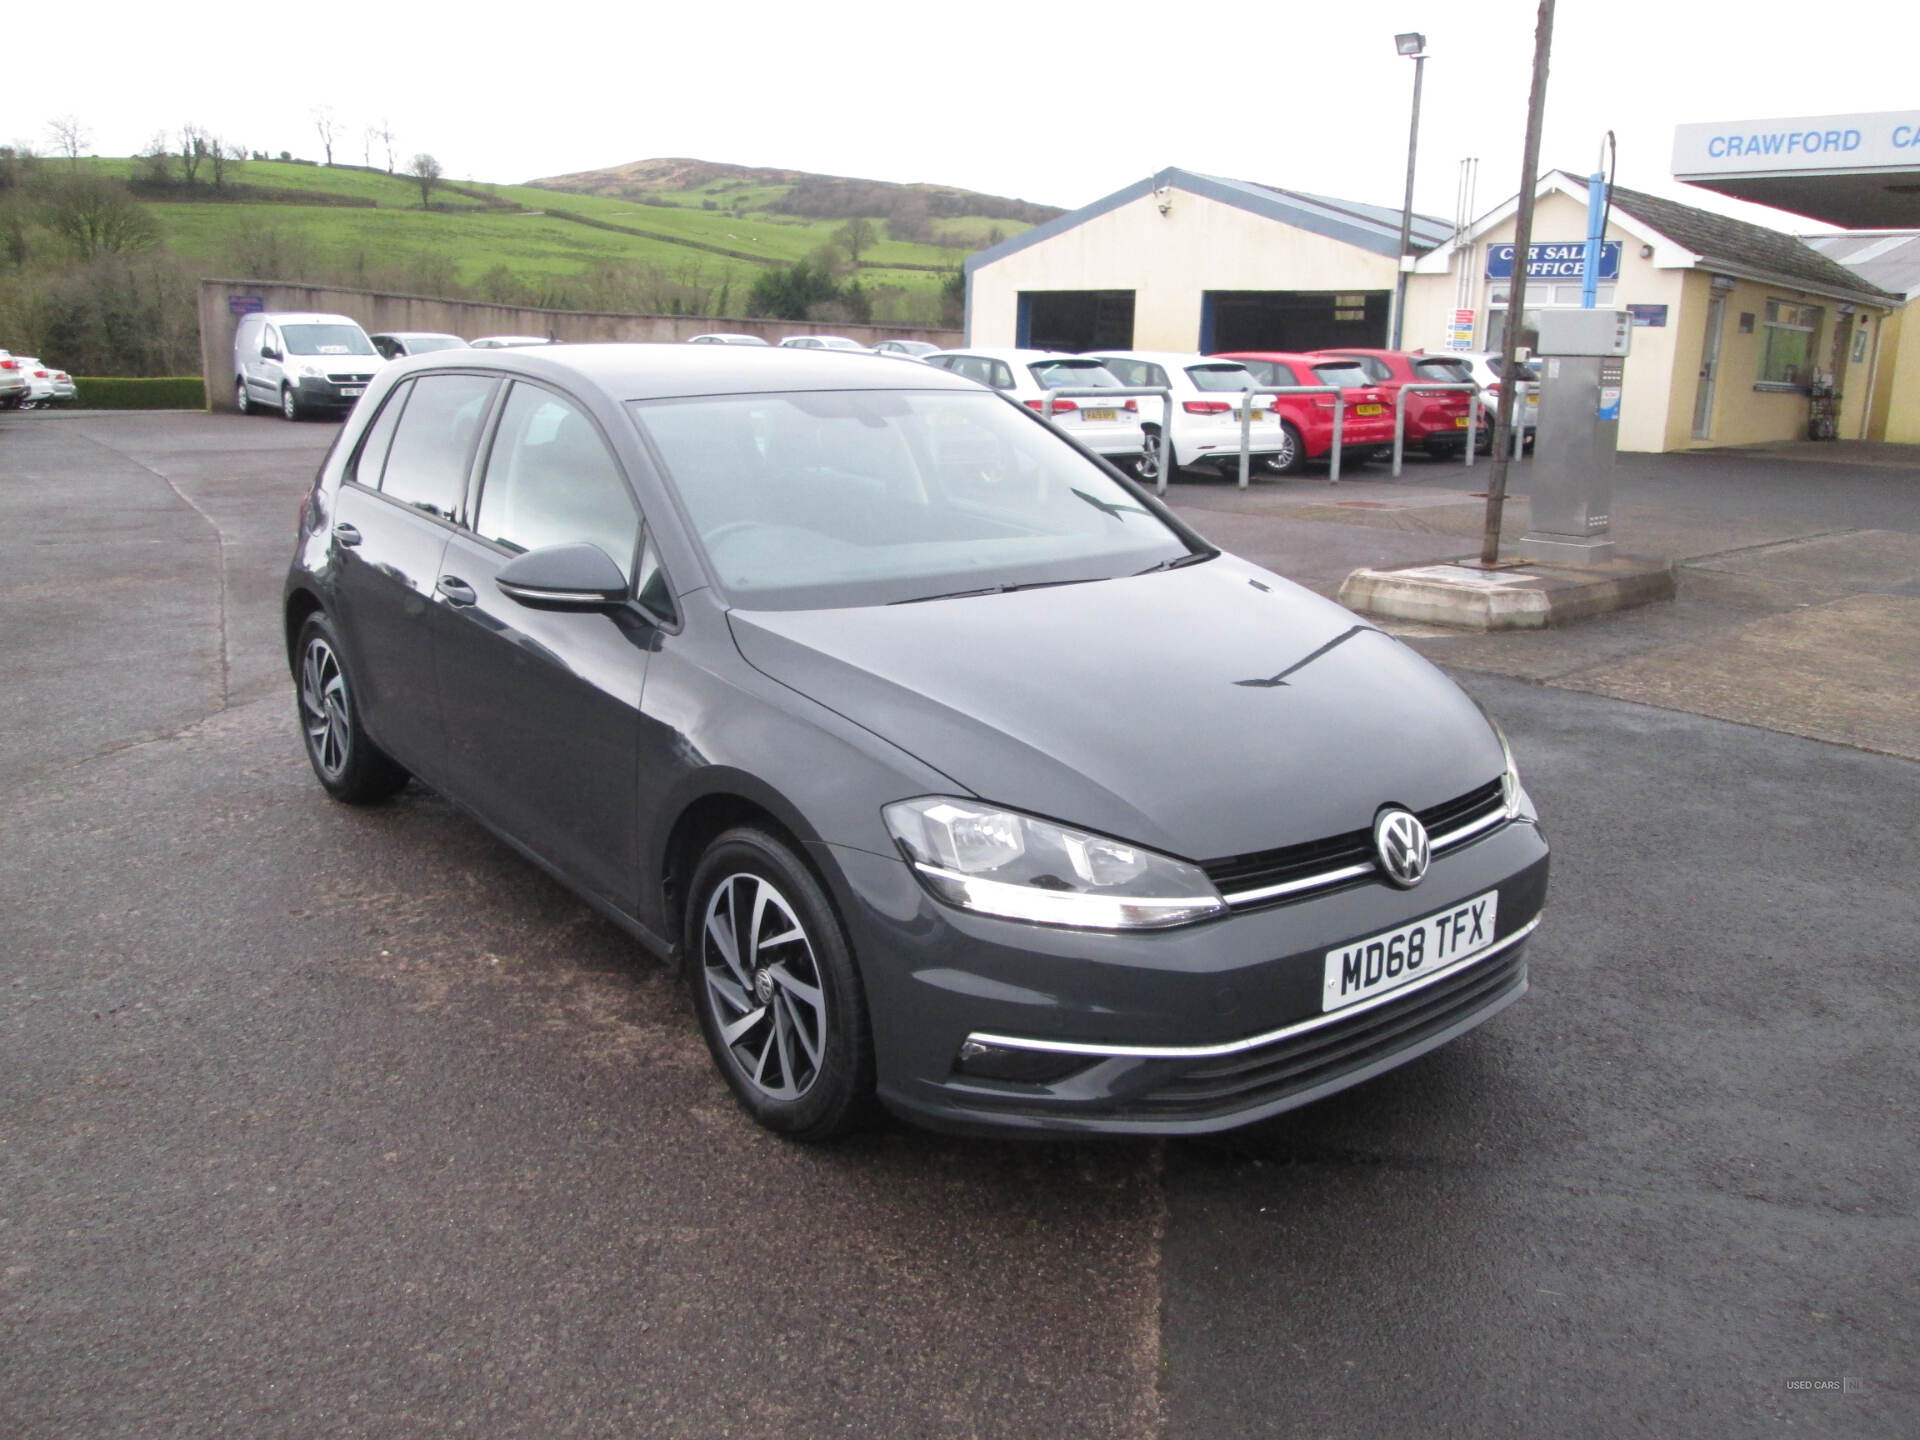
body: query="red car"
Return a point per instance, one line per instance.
(1438, 421)
(1366, 430)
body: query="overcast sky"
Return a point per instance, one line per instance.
(1059, 104)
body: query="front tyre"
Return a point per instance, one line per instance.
(775, 987)
(240, 401)
(347, 763)
(290, 403)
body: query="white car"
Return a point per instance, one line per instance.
(906, 349)
(1113, 431)
(1206, 409)
(14, 385)
(506, 342)
(723, 338)
(824, 342)
(41, 391)
(1483, 368)
(398, 344)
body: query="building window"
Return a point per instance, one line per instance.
(1786, 354)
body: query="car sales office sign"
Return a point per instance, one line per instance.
(1554, 261)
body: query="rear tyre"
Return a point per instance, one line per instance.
(1291, 455)
(290, 403)
(349, 766)
(776, 990)
(1146, 465)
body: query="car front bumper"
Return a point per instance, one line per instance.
(1190, 1030)
(320, 393)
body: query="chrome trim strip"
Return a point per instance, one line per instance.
(1438, 844)
(1235, 1047)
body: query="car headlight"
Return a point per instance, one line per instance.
(1000, 862)
(309, 369)
(1510, 791)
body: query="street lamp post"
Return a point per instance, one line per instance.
(1414, 46)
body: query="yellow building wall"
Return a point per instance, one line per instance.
(1663, 370)
(1169, 261)
(1896, 391)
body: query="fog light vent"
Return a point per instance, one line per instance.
(1029, 1067)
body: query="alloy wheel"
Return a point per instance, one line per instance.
(323, 709)
(763, 986)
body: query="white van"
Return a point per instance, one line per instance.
(300, 364)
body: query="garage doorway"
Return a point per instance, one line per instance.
(1292, 319)
(1075, 320)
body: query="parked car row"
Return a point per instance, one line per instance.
(29, 383)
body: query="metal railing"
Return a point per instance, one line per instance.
(1431, 387)
(1246, 423)
(1125, 393)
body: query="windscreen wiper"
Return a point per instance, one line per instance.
(1192, 558)
(998, 589)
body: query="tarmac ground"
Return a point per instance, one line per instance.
(318, 1121)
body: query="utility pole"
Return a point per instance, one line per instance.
(1414, 47)
(1517, 295)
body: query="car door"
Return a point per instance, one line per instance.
(402, 490)
(542, 706)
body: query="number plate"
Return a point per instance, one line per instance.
(350, 391)
(1101, 414)
(1459, 422)
(1241, 414)
(1387, 961)
(1369, 409)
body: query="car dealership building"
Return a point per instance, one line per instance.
(1735, 323)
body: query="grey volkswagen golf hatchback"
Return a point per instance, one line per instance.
(954, 770)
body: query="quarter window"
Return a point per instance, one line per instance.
(1792, 334)
(433, 445)
(372, 454)
(550, 481)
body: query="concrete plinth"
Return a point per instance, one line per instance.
(1526, 596)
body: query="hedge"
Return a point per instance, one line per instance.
(116, 392)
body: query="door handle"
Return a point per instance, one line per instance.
(456, 590)
(347, 534)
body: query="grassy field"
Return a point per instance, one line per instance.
(466, 239)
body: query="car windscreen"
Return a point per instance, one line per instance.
(822, 499)
(423, 344)
(1340, 372)
(326, 340)
(1219, 377)
(1073, 375)
(1445, 372)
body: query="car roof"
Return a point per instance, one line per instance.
(417, 334)
(1181, 358)
(305, 317)
(666, 370)
(1013, 354)
(1297, 357)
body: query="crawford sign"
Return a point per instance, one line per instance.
(1889, 141)
(1566, 261)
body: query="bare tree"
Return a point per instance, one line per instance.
(222, 154)
(193, 149)
(95, 216)
(367, 137)
(156, 160)
(386, 139)
(70, 137)
(854, 236)
(426, 172)
(324, 122)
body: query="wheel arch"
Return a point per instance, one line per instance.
(301, 602)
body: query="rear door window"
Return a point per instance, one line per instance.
(371, 457)
(433, 444)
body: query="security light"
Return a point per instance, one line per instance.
(1409, 44)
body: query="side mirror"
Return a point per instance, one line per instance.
(267, 352)
(563, 577)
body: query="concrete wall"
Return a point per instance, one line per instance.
(1169, 261)
(377, 311)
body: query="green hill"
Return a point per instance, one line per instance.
(684, 236)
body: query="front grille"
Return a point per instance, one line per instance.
(349, 379)
(1299, 866)
(1286, 1067)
